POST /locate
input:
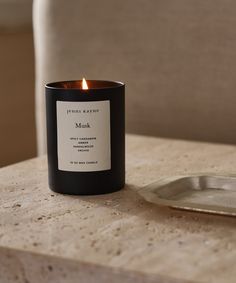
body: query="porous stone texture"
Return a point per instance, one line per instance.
(118, 237)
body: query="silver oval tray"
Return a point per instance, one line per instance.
(209, 194)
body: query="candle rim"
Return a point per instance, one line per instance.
(59, 85)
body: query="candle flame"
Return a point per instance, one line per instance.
(84, 84)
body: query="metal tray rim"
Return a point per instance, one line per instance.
(149, 195)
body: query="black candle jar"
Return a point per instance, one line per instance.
(86, 136)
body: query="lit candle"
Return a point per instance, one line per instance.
(86, 136)
(84, 84)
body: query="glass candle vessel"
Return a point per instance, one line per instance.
(85, 137)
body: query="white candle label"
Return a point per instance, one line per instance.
(83, 136)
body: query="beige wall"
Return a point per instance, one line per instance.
(15, 14)
(17, 123)
(176, 57)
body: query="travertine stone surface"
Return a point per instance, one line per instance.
(47, 237)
